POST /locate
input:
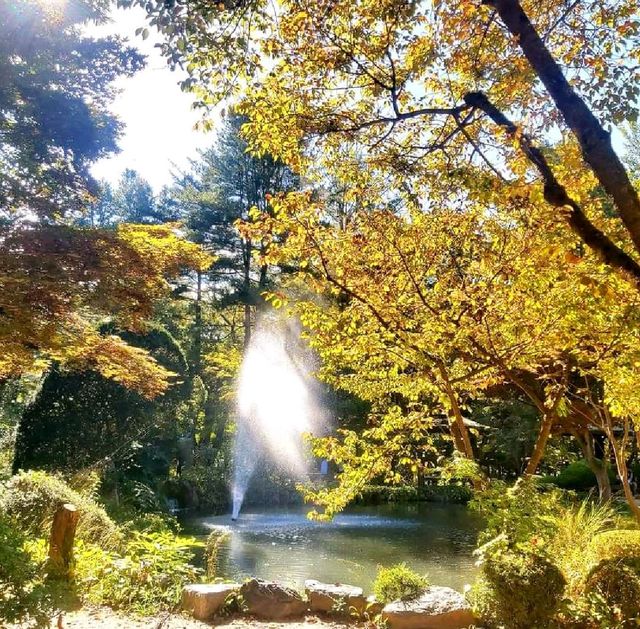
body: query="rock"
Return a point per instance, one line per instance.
(437, 608)
(272, 601)
(335, 598)
(203, 600)
(374, 607)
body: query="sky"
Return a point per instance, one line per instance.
(159, 136)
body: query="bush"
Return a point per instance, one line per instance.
(210, 485)
(398, 583)
(454, 494)
(25, 597)
(31, 499)
(148, 575)
(519, 512)
(618, 585)
(379, 494)
(618, 544)
(518, 589)
(576, 476)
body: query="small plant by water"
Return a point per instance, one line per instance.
(398, 583)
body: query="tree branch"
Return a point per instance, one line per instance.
(556, 194)
(594, 140)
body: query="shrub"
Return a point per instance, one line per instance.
(377, 494)
(25, 597)
(398, 583)
(210, 484)
(455, 494)
(519, 512)
(617, 544)
(618, 585)
(148, 575)
(31, 498)
(577, 476)
(215, 539)
(518, 589)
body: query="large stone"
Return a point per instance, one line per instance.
(335, 598)
(271, 601)
(437, 608)
(374, 606)
(203, 600)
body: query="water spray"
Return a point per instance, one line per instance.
(276, 406)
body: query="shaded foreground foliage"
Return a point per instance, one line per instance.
(139, 565)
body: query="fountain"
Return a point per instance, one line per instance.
(275, 407)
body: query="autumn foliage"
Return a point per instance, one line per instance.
(58, 283)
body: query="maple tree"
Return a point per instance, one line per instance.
(57, 283)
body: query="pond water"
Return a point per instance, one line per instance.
(283, 545)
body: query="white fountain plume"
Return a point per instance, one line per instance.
(276, 407)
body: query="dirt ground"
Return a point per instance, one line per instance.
(104, 618)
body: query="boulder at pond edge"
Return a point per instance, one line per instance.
(272, 601)
(335, 598)
(203, 600)
(437, 608)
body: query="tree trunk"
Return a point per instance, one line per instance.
(209, 419)
(556, 194)
(619, 450)
(63, 531)
(594, 140)
(459, 431)
(197, 340)
(221, 426)
(546, 425)
(596, 465)
(604, 483)
(246, 289)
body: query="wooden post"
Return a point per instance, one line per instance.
(63, 531)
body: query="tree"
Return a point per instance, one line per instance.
(415, 83)
(131, 201)
(57, 86)
(224, 184)
(435, 310)
(55, 433)
(134, 199)
(57, 281)
(512, 256)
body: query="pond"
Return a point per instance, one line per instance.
(283, 545)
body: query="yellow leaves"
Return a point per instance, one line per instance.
(110, 356)
(164, 245)
(224, 365)
(276, 299)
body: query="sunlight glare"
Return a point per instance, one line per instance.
(273, 397)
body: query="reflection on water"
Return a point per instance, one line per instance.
(283, 545)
